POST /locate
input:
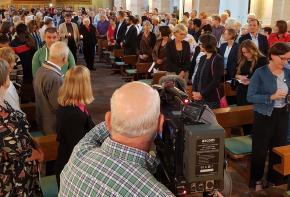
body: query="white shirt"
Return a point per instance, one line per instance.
(255, 39)
(226, 55)
(120, 24)
(196, 65)
(139, 29)
(12, 97)
(128, 27)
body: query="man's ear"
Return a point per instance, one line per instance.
(108, 121)
(160, 123)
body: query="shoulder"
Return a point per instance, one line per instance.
(185, 43)
(236, 45)
(263, 61)
(218, 57)
(70, 112)
(223, 45)
(263, 36)
(152, 34)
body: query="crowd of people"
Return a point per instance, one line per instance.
(39, 51)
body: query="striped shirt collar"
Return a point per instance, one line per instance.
(52, 66)
(130, 154)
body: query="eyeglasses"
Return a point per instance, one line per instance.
(283, 58)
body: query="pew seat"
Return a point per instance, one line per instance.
(49, 186)
(238, 147)
(36, 133)
(147, 81)
(49, 146)
(131, 71)
(120, 63)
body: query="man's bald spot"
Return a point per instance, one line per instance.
(134, 98)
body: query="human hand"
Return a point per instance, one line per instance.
(279, 94)
(37, 155)
(182, 74)
(159, 61)
(196, 96)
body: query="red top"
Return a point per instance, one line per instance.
(111, 34)
(273, 38)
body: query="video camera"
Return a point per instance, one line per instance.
(191, 147)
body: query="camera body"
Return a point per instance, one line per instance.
(191, 148)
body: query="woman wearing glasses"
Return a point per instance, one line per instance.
(268, 90)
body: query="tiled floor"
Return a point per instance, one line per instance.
(104, 83)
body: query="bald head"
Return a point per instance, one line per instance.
(135, 109)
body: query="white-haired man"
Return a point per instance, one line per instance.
(113, 159)
(47, 82)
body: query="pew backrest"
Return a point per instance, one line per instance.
(49, 146)
(234, 116)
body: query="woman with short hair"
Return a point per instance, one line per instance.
(210, 71)
(178, 52)
(146, 41)
(11, 96)
(159, 50)
(280, 33)
(229, 51)
(19, 153)
(73, 118)
(268, 90)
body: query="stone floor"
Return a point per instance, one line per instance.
(104, 83)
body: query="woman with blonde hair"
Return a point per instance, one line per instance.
(178, 52)
(73, 118)
(249, 59)
(11, 95)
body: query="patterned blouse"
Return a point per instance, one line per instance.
(17, 177)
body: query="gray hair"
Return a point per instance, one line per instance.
(58, 50)
(179, 27)
(230, 23)
(147, 23)
(145, 123)
(4, 67)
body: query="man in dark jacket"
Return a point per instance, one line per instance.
(120, 29)
(130, 41)
(259, 39)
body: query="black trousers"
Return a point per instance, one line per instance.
(89, 55)
(268, 132)
(73, 48)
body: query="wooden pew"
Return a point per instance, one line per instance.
(29, 110)
(237, 149)
(49, 146)
(284, 167)
(234, 116)
(228, 90)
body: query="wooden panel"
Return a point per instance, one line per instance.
(30, 2)
(284, 153)
(29, 110)
(234, 116)
(74, 1)
(49, 146)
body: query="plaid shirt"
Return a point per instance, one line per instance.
(100, 166)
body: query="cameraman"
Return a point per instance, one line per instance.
(113, 159)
